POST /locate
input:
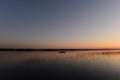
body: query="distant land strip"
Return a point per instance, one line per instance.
(28, 49)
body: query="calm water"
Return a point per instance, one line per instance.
(77, 65)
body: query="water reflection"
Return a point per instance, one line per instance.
(85, 65)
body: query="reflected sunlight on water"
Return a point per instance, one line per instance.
(94, 64)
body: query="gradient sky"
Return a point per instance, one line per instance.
(60, 23)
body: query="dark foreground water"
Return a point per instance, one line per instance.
(77, 65)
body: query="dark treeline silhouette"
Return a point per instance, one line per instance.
(29, 49)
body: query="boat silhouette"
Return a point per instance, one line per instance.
(62, 51)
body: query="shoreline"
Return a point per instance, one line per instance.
(25, 49)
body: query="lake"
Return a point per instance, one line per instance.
(72, 65)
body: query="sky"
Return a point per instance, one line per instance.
(60, 23)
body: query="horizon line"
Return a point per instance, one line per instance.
(56, 49)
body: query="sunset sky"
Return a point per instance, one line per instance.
(60, 23)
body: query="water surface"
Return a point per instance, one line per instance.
(72, 65)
